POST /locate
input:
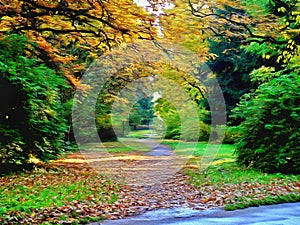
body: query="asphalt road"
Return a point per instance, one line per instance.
(281, 214)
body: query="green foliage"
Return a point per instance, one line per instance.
(195, 132)
(285, 43)
(231, 135)
(191, 131)
(170, 117)
(142, 112)
(256, 7)
(32, 119)
(269, 134)
(105, 128)
(232, 68)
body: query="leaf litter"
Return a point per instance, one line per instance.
(110, 199)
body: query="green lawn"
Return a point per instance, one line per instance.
(139, 133)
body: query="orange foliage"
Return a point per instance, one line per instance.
(64, 29)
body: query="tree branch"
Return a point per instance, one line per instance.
(197, 13)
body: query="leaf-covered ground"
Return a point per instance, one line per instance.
(71, 191)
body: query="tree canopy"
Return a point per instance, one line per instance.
(68, 34)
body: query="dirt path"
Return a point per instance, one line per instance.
(137, 168)
(150, 180)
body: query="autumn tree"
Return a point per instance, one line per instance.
(70, 34)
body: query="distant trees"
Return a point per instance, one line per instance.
(142, 112)
(232, 67)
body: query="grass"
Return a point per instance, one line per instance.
(238, 187)
(30, 193)
(225, 151)
(124, 145)
(139, 133)
(127, 144)
(268, 200)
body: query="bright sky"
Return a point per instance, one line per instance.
(145, 4)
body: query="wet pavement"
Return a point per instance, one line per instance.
(281, 214)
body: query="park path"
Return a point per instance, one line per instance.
(138, 169)
(155, 180)
(150, 181)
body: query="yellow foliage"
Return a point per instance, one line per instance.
(57, 26)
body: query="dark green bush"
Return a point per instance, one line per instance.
(269, 134)
(32, 113)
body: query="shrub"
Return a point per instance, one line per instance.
(32, 112)
(270, 134)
